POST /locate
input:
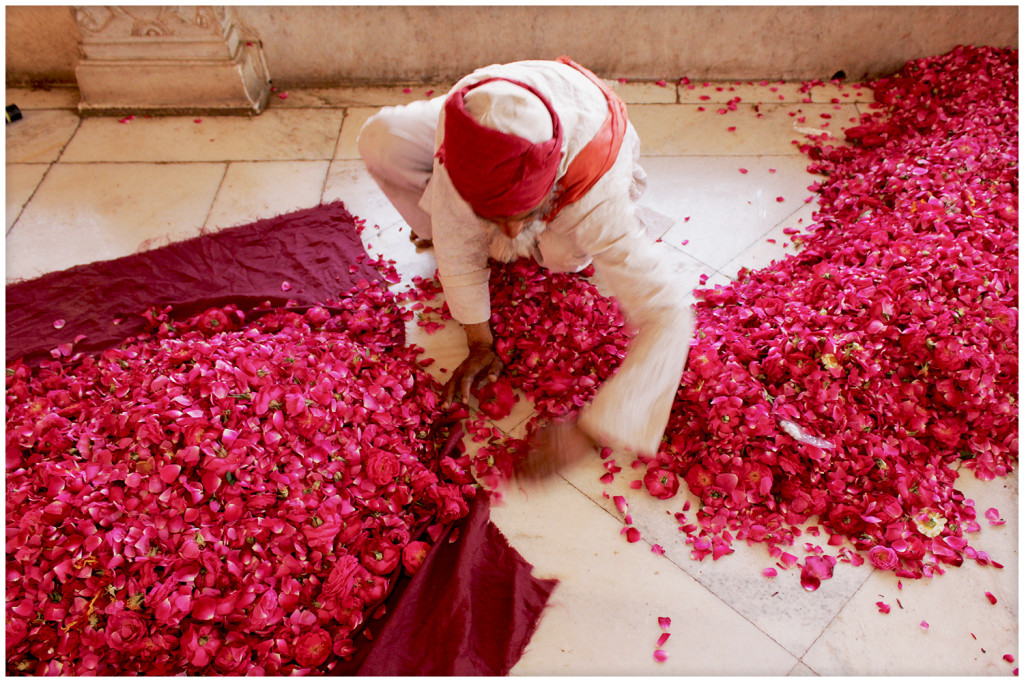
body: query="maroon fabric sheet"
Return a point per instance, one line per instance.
(470, 609)
(313, 250)
(473, 605)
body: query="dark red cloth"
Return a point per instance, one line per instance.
(498, 174)
(313, 250)
(599, 155)
(471, 608)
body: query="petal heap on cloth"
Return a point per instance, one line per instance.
(308, 257)
(268, 567)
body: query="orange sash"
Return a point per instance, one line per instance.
(598, 155)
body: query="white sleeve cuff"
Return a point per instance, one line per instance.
(469, 301)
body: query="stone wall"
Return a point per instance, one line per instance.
(313, 45)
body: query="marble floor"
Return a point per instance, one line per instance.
(730, 175)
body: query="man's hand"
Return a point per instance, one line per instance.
(481, 363)
(552, 448)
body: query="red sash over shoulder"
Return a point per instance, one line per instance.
(598, 155)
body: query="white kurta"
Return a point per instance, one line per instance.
(632, 408)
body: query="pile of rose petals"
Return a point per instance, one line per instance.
(229, 495)
(888, 345)
(849, 385)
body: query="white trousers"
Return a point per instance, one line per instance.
(397, 146)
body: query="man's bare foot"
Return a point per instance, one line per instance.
(419, 243)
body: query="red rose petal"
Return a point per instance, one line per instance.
(204, 608)
(169, 473)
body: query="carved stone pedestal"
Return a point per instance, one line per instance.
(169, 60)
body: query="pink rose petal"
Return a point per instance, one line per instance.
(993, 516)
(660, 656)
(664, 622)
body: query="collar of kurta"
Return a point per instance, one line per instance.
(502, 175)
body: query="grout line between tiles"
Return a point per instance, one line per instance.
(836, 615)
(345, 116)
(50, 166)
(216, 195)
(60, 154)
(705, 587)
(327, 176)
(35, 189)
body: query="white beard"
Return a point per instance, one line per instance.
(505, 250)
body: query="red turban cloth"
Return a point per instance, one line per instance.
(499, 174)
